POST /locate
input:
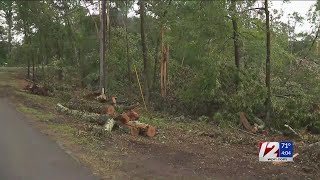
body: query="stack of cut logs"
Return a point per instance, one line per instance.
(129, 119)
(109, 115)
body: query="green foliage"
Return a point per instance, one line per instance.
(61, 37)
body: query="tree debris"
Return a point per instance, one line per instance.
(292, 130)
(37, 89)
(127, 120)
(245, 123)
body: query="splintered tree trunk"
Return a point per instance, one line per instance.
(156, 54)
(164, 61)
(235, 39)
(268, 65)
(102, 45)
(144, 52)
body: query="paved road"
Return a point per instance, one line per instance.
(27, 154)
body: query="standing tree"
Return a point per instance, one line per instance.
(144, 51)
(268, 65)
(235, 37)
(102, 46)
(7, 7)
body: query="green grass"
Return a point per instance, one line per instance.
(166, 123)
(34, 113)
(63, 129)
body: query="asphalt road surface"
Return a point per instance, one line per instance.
(27, 154)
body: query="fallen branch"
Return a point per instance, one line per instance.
(290, 128)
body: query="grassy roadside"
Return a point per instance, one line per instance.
(85, 148)
(67, 132)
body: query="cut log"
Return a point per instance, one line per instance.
(109, 125)
(134, 116)
(86, 116)
(122, 118)
(151, 131)
(102, 98)
(134, 131)
(110, 110)
(144, 129)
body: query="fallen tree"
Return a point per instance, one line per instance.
(126, 120)
(86, 116)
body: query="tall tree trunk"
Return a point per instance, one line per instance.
(102, 45)
(268, 64)
(144, 52)
(8, 16)
(26, 39)
(125, 22)
(108, 24)
(33, 65)
(107, 42)
(156, 61)
(235, 39)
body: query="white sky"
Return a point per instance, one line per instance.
(300, 6)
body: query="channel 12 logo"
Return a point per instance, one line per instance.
(276, 151)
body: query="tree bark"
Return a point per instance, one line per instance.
(156, 61)
(128, 53)
(26, 39)
(107, 41)
(268, 64)
(102, 46)
(144, 52)
(33, 65)
(235, 39)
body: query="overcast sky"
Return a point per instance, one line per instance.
(300, 6)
